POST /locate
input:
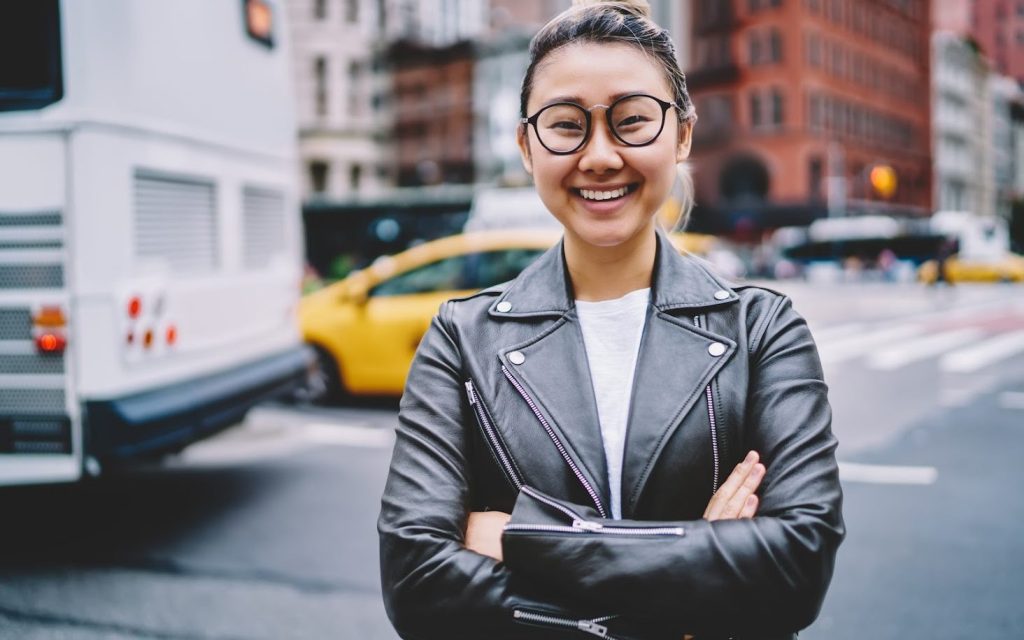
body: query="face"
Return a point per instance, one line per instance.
(576, 188)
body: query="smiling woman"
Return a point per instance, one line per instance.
(618, 442)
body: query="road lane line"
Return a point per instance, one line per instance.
(983, 354)
(926, 347)
(828, 334)
(347, 435)
(1011, 400)
(886, 474)
(855, 346)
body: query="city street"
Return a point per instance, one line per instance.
(267, 531)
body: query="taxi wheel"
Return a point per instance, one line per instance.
(323, 379)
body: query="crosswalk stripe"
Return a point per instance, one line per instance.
(1011, 400)
(836, 331)
(983, 354)
(908, 352)
(855, 346)
(885, 474)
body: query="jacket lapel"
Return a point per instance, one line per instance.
(675, 365)
(553, 370)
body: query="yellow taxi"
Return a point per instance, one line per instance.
(365, 328)
(1009, 269)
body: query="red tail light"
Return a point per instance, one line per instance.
(51, 342)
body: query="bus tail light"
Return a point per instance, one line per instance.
(51, 342)
(48, 329)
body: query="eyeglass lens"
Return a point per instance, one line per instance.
(636, 120)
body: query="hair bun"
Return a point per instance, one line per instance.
(641, 7)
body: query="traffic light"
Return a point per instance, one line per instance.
(883, 180)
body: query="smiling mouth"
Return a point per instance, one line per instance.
(601, 195)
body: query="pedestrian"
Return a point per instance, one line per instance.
(618, 443)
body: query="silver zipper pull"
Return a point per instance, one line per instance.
(588, 626)
(587, 526)
(471, 393)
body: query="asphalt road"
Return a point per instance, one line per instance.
(267, 531)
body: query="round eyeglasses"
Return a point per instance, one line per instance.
(636, 120)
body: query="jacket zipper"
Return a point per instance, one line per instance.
(580, 525)
(504, 460)
(592, 626)
(714, 426)
(558, 443)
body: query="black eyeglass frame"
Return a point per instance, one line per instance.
(588, 117)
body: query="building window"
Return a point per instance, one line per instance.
(320, 85)
(355, 72)
(351, 11)
(765, 47)
(778, 104)
(815, 172)
(755, 110)
(319, 9)
(814, 50)
(355, 174)
(318, 176)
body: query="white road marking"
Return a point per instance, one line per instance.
(926, 347)
(260, 444)
(348, 436)
(1011, 400)
(884, 474)
(855, 346)
(984, 353)
(836, 331)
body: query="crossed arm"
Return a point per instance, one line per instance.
(735, 499)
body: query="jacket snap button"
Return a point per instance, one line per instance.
(716, 349)
(721, 294)
(504, 306)
(516, 357)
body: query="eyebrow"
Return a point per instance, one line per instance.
(578, 100)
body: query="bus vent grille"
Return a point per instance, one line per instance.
(32, 401)
(28, 364)
(31, 250)
(46, 434)
(176, 223)
(264, 226)
(15, 324)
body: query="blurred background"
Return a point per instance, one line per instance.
(226, 224)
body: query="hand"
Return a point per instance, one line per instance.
(483, 532)
(736, 499)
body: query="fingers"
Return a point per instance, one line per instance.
(736, 497)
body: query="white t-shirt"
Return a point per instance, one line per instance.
(611, 334)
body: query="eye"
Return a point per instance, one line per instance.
(632, 120)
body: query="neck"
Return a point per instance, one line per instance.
(606, 273)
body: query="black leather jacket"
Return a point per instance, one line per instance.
(499, 414)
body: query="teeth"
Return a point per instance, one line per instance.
(591, 194)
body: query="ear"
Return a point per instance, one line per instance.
(523, 141)
(685, 137)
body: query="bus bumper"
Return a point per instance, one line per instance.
(168, 418)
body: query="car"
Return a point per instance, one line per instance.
(365, 328)
(1008, 269)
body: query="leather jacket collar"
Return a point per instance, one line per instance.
(548, 363)
(544, 289)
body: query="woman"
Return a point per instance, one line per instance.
(564, 441)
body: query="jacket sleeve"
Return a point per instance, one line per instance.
(768, 574)
(433, 586)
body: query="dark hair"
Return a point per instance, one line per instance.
(610, 21)
(627, 22)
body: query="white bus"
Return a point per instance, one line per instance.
(150, 240)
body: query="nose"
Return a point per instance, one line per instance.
(601, 153)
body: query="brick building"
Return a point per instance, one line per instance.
(799, 99)
(432, 102)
